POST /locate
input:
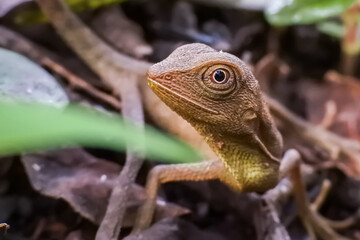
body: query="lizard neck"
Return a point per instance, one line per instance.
(247, 169)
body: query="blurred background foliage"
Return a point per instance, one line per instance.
(35, 115)
(337, 18)
(29, 127)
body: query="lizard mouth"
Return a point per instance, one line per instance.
(152, 84)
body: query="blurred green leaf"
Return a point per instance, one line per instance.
(28, 127)
(331, 28)
(290, 12)
(34, 15)
(82, 5)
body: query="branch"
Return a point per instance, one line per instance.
(121, 73)
(334, 144)
(20, 44)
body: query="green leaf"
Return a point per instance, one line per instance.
(333, 29)
(29, 127)
(34, 15)
(290, 12)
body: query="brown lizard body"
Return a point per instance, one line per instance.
(219, 96)
(229, 112)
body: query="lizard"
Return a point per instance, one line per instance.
(219, 96)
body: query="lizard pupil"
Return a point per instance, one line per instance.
(219, 76)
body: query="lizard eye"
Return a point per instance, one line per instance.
(220, 79)
(220, 76)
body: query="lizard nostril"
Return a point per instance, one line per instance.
(168, 77)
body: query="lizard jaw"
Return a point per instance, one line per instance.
(152, 82)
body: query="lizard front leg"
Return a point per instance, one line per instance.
(170, 173)
(192, 172)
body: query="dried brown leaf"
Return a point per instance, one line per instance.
(174, 229)
(85, 183)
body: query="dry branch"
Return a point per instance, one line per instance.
(121, 73)
(20, 44)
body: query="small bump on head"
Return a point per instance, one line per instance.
(181, 59)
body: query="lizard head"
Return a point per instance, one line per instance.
(216, 93)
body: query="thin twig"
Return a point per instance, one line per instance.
(121, 73)
(343, 224)
(18, 43)
(330, 114)
(324, 191)
(334, 144)
(315, 224)
(77, 82)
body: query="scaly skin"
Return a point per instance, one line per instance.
(232, 115)
(228, 110)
